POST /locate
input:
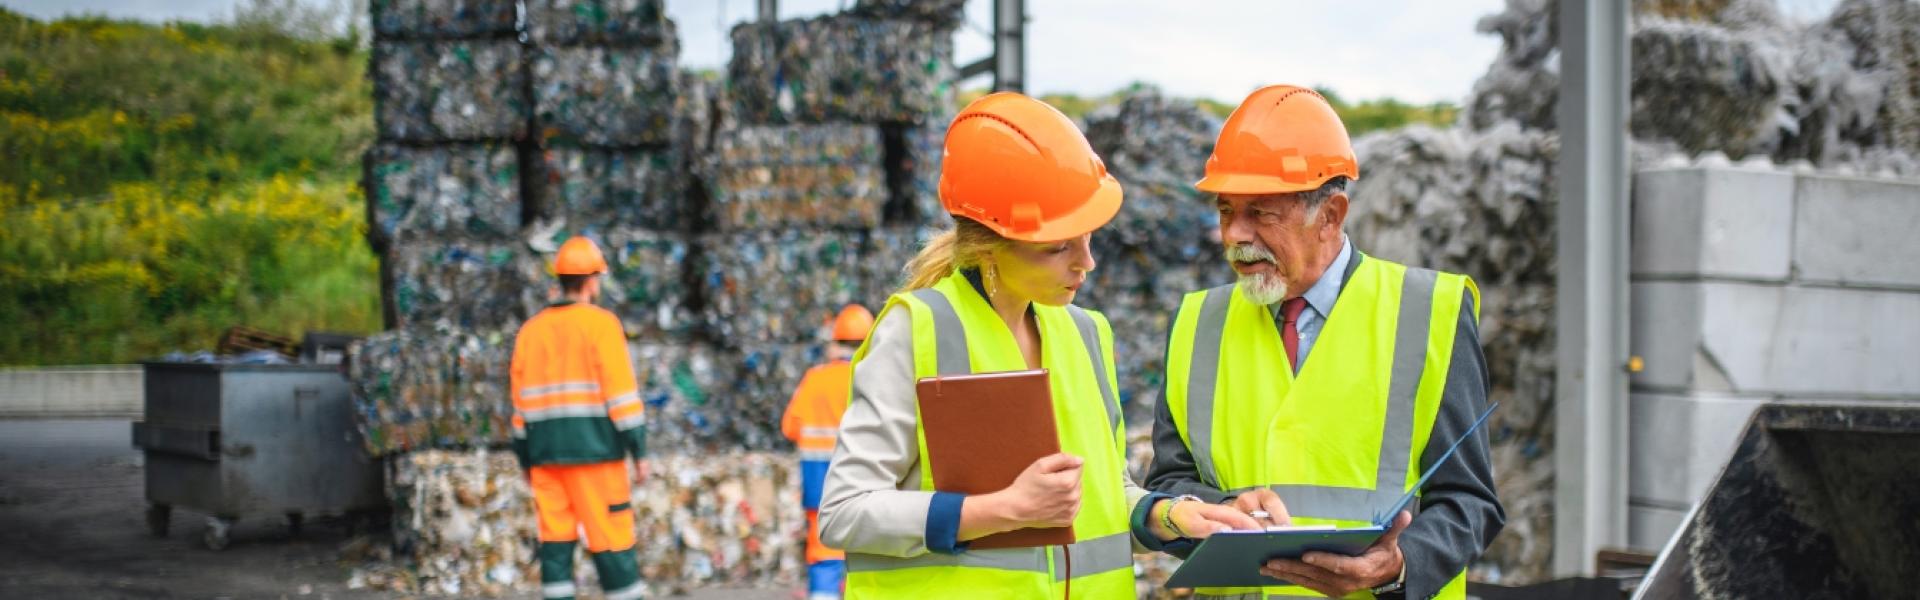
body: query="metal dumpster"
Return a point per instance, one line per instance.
(1818, 501)
(235, 439)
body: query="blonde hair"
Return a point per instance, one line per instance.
(962, 247)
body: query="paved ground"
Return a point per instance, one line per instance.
(73, 525)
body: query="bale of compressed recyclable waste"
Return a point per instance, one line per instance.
(840, 68)
(564, 22)
(605, 95)
(463, 283)
(457, 190)
(809, 176)
(461, 90)
(441, 19)
(426, 388)
(611, 188)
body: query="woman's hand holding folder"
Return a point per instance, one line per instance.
(1046, 494)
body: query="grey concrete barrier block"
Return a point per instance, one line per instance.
(1680, 442)
(1857, 231)
(71, 391)
(1812, 340)
(1712, 223)
(1665, 332)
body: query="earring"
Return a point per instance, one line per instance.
(993, 288)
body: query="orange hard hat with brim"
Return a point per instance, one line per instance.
(853, 324)
(1282, 139)
(579, 256)
(1023, 169)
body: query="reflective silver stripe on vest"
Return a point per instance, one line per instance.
(950, 338)
(1005, 559)
(1202, 370)
(536, 415)
(1198, 595)
(1090, 336)
(564, 387)
(1396, 438)
(1094, 556)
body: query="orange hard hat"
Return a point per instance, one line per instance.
(852, 324)
(579, 256)
(1021, 168)
(1282, 139)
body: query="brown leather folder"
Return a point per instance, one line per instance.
(982, 431)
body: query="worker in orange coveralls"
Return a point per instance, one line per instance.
(577, 417)
(813, 423)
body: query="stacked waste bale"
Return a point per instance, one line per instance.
(445, 213)
(443, 179)
(819, 180)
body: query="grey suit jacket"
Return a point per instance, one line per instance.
(1459, 511)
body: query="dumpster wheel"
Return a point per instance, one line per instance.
(159, 516)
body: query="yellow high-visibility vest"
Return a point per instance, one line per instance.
(1340, 441)
(955, 331)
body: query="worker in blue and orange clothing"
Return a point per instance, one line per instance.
(813, 423)
(577, 418)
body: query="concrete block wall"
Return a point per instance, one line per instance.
(73, 391)
(1753, 286)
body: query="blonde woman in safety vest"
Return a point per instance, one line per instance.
(994, 294)
(1320, 386)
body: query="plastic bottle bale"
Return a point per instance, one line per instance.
(458, 190)
(423, 388)
(469, 90)
(777, 286)
(841, 69)
(441, 19)
(943, 13)
(618, 22)
(617, 188)
(463, 283)
(604, 95)
(797, 176)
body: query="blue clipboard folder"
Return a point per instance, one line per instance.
(1234, 558)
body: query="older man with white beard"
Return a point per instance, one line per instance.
(1396, 374)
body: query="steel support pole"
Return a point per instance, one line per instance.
(1010, 46)
(1590, 404)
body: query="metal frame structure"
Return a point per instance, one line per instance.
(1008, 64)
(1591, 402)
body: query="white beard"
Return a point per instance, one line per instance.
(1263, 289)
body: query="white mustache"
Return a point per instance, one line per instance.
(1249, 253)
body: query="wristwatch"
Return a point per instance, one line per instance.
(1393, 589)
(1166, 519)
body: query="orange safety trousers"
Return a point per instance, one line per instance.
(592, 497)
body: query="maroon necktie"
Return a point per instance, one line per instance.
(1290, 333)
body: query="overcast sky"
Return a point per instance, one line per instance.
(1414, 50)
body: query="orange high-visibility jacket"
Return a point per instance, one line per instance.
(813, 415)
(575, 399)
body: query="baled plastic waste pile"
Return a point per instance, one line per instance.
(730, 239)
(462, 520)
